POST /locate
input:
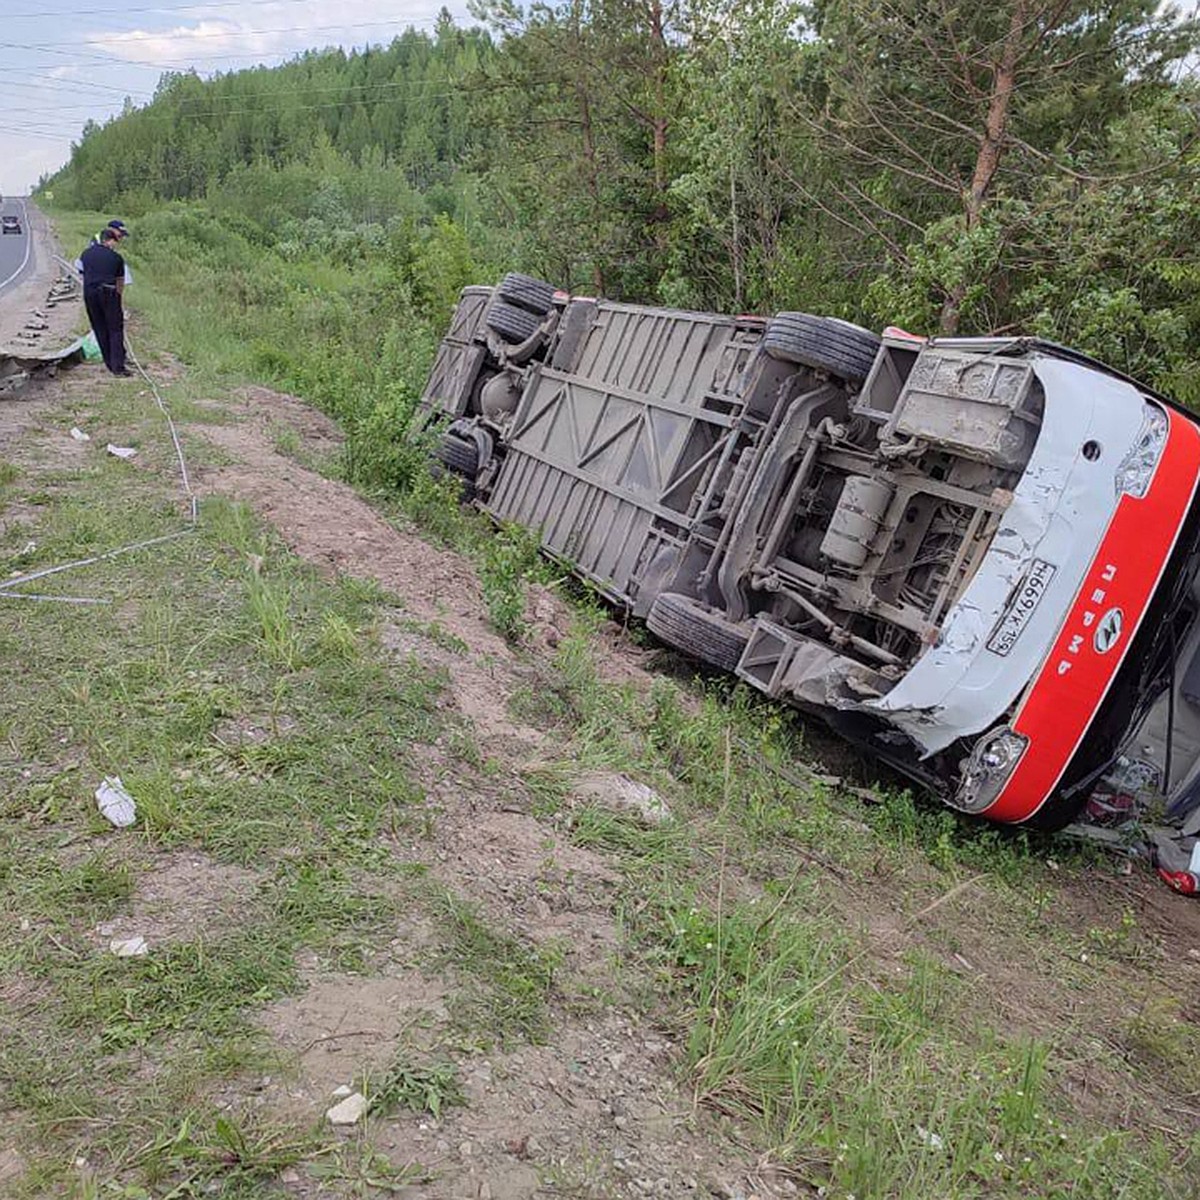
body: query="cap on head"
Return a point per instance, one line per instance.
(118, 227)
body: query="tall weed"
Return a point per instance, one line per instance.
(237, 296)
(509, 560)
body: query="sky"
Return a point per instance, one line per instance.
(64, 62)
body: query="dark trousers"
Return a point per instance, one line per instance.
(104, 310)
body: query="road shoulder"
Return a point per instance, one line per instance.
(26, 303)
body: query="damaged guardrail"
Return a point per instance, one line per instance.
(19, 366)
(27, 359)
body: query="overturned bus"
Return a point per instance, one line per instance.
(976, 558)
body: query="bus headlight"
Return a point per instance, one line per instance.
(1137, 468)
(988, 768)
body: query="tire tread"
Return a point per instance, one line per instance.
(513, 324)
(533, 295)
(843, 350)
(685, 624)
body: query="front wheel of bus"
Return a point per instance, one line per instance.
(683, 623)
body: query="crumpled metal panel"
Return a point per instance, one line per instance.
(18, 366)
(1058, 515)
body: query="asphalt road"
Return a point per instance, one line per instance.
(16, 250)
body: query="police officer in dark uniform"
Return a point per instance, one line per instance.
(103, 285)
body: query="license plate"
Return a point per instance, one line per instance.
(1029, 595)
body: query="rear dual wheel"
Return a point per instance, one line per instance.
(513, 324)
(533, 295)
(518, 307)
(458, 457)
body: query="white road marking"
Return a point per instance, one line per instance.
(28, 247)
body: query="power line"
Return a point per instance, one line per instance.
(400, 85)
(346, 89)
(159, 64)
(145, 36)
(71, 85)
(45, 75)
(36, 133)
(259, 109)
(43, 128)
(157, 8)
(39, 127)
(44, 124)
(60, 108)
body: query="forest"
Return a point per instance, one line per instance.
(1024, 166)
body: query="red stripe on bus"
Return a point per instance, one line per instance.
(1075, 678)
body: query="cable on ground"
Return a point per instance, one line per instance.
(55, 599)
(7, 586)
(183, 471)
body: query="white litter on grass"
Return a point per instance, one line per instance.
(79, 435)
(933, 1140)
(133, 947)
(115, 802)
(121, 451)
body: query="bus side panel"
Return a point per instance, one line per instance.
(595, 455)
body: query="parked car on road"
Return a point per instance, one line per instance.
(976, 558)
(10, 224)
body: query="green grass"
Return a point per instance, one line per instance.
(203, 638)
(848, 1075)
(430, 1088)
(509, 982)
(350, 338)
(866, 1066)
(509, 559)
(250, 709)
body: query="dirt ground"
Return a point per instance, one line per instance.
(603, 1090)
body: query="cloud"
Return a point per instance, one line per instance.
(198, 42)
(215, 40)
(26, 159)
